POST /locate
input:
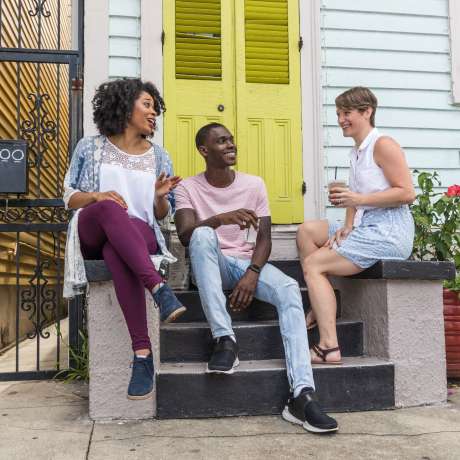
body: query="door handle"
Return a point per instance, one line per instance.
(220, 108)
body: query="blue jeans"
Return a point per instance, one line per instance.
(213, 272)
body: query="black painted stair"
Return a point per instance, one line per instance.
(258, 311)
(259, 386)
(257, 340)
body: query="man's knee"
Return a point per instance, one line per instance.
(203, 236)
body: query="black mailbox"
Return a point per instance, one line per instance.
(13, 166)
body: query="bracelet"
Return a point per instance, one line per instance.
(255, 268)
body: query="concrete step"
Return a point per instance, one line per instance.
(257, 340)
(257, 311)
(184, 390)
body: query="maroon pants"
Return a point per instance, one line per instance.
(106, 231)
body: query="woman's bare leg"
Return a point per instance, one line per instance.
(316, 267)
(311, 236)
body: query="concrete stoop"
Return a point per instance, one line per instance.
(390, 331)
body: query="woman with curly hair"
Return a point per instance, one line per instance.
(120, 185)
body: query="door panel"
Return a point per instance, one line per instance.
(198, 76)
(255, 76)
(268, 101)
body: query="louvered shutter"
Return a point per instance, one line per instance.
(198, 39)
(267, 41)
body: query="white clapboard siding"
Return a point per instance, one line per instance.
(400, 49)
(124, 38)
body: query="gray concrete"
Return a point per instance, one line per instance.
(403, 322)
(111, 355)
(48, 420)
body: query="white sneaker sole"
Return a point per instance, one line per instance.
(306, 426)
(137, 398)
(230, 371)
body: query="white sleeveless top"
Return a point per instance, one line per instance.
(365, 175)
(133, 177)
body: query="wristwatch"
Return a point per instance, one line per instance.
(255, 268)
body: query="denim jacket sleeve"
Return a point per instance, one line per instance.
(164, 163)
(83, 173)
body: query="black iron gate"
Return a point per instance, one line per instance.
(40, 103)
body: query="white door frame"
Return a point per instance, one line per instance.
(312, 130)
(310, 65)
(96, 56)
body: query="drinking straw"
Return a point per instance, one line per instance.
(335, 173)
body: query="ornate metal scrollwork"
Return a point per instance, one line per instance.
(40, 9)
(47, 301)
(32, 214)
(38, 131)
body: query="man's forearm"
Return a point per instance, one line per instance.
(262, 252)
(186, 234)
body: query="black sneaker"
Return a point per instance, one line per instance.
(141, 383)
(305, 411)
(224, 357)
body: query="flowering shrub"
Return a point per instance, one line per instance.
(437, 223)
(453, 190)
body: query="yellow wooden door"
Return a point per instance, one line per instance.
(255, 79)
(199, 85)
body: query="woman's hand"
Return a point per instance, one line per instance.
(164, 184)
(342, 197)
(340, 235)
(111, 195)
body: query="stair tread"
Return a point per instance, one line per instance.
(269, 365)
(239, 324)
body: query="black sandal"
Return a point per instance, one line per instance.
(322, 354)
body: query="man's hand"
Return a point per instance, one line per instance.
(112, 195)
(243, 292)
(242, 217)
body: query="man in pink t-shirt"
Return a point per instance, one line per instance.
(223, 217)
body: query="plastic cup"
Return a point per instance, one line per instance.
(251, 235)
(337, 183)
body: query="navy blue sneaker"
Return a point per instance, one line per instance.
(141, 383)
(168, 303)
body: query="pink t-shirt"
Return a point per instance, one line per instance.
(245, 191)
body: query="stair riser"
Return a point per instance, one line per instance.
(257, 311)
(255, 342)
(265, 392)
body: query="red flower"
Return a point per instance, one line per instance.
(453, 190)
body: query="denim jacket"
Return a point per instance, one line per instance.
(83, 175)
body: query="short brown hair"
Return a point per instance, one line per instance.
(359, 98)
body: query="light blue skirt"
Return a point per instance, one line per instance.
(384, 233)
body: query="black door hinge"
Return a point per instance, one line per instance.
(300, 43)
(304, 188)
(163, 38)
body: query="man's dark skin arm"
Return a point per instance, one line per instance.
(243, 293)
(186, 222)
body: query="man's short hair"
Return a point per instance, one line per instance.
(359, 98)
(203, 132)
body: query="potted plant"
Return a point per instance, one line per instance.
(437, 237)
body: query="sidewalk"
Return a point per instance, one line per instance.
(49, 420)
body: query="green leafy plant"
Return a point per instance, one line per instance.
(80, 360)
(437, 223)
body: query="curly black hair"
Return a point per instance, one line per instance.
(114, 101)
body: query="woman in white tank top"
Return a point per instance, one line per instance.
(378, 223)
